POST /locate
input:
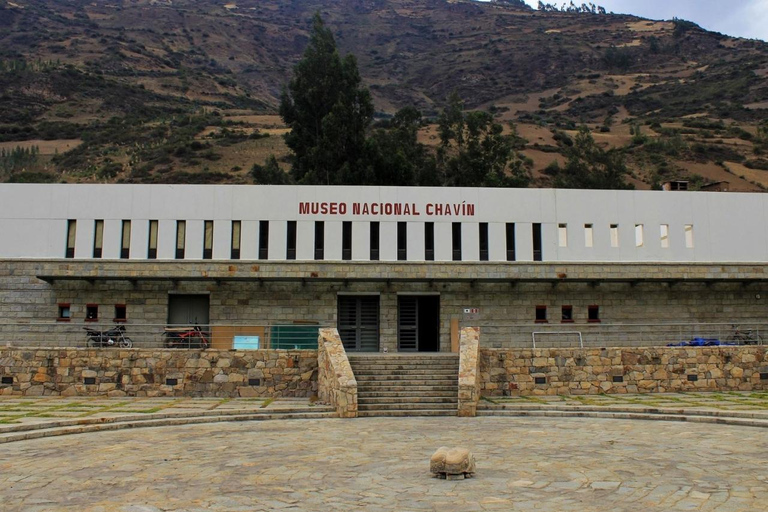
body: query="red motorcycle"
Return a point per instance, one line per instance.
(185, 337)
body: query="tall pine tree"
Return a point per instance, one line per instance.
(328, 110)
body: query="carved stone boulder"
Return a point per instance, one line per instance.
(452, 463)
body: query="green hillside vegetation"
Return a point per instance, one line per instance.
(459, 93)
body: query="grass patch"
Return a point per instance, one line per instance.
(267, 402)
(143, 411)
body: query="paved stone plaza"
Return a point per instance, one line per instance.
(378, 464)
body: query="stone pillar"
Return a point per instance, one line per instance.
(469, 393)
(336, 384)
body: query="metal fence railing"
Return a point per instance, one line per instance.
(620, 335)
(293, 336)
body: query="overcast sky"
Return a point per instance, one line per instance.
(743, 18)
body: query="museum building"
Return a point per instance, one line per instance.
(396, 269)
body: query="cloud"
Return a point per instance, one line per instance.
(748, 20)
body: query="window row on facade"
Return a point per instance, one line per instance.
(589, 235)
(567, 314)
(289, 251)
(91, 313)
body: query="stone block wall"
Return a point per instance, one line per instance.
(506, 312)
(336, 382)
(469, 389)
(509, 372)
(136, 372)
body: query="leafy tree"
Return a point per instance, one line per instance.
(590, 167)
(474, 152)
(762, 132)
(396, 156)
(270, 173)
(620, 58)
(329, 111)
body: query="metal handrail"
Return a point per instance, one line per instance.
(274, 335)
(521, 335)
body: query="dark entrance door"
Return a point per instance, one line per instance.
(358, 322)
(189, 310)
(418, 323)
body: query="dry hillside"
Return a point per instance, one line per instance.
(186, 90)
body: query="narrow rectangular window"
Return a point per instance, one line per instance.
(120, 313)
(589, 238)
(689, 236)
(346, 241)
(566, 315)
(290, 245)
(375, 241)
(181, 238)
(71, 235)
(483, 241)
(98, 238)
(593, 314)
(125, 240)
(91, 312)
(234, 253)
(65, 313)
(541, 314)
(263, 239)
(152, 244)
(562, 235)
(429, 241)
(639, 235)
(510, 228)
(319, 240)
(614, 235)
(208, 240)
(402, 241)
(664, 233)
(456, 240)
(537, 254)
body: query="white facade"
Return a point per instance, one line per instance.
(674, 227)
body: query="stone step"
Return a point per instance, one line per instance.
(454, 388)
(426, 372)
(405, 413)
(406, 394)
(402, 367)
(405, 406)
(119, 423)
(426, 377)
(415, 356)
(407, 400)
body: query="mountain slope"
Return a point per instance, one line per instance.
(113, 79)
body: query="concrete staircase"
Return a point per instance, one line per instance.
(423, 384)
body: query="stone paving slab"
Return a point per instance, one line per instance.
(40, 410)
(380, 464)
(722, 401)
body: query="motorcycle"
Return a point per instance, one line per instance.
(114, 337)
(185, 337)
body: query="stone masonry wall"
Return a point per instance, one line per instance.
(468, 375)
(336, 382)
(117, 372)
(622, 370)
(31, 304)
